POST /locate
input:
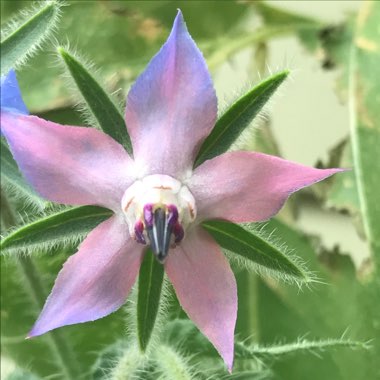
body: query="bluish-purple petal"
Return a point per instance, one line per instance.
(95, 281)
(172, 106)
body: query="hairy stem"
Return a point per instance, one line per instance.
(129, 366)
(172, 365)
(65, 358)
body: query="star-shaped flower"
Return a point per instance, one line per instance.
(158, 197)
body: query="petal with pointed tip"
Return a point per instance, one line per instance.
(95, 281)
(206, 289)
(70, 165)
(11, 98)
(172, 106)
(248, 186)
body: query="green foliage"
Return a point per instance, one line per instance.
(97, 100)
(238, 117)
(23, 37)
(148, 299)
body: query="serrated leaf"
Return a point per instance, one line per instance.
(22, 41)
(238, 117)
(13, 178)
(256, 248)
(97, 100)
(148, 299)
(66, 226)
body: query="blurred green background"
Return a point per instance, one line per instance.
(308, 121)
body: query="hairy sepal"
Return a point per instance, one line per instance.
(238, 117)
(98, 104)
(54, 229)
(253, 248)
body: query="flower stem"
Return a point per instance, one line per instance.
(61, 349)
(130, 364)
(172, 365)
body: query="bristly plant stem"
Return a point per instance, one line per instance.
(67, 361)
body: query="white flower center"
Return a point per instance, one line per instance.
(158, 209)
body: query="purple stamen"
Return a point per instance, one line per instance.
(178, 232)
(148, 215)
(172, 217)
(139, 232)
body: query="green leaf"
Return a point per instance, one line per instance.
(97, 100)
(11, 176)
(148, 298)
(25, 38)
(256, 247)
(364, 89)
(238, 117)
(58, 228)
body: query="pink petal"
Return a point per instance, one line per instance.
(95, 281)
(206, 289)
(247, 186)
(172, 106)
(71, 165)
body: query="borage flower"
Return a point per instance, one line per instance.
(158, 198)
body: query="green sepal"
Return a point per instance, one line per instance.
(148, 299)
(22, 41)
(99, 103)
(58, 228)
(256, 247)
(238, 117)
